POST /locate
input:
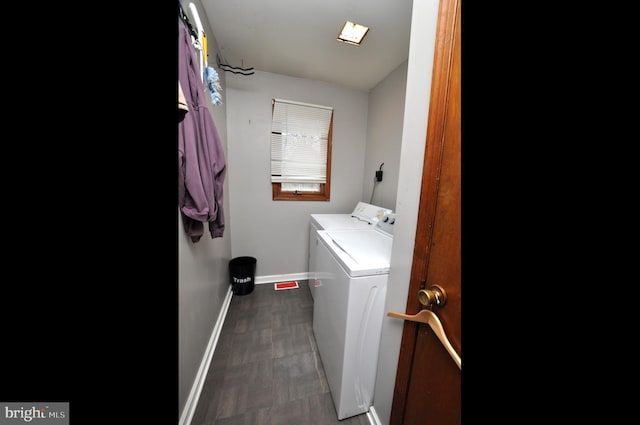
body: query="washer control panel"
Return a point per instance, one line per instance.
(368, 212)
(385, 224)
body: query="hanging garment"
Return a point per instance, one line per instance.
(183, 108)
(201, 162)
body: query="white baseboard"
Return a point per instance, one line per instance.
(373, 416)
(275, 278)
(194, 395)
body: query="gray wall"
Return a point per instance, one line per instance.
(276, 233)
(203, 278)
(384, 137)
(414, 130)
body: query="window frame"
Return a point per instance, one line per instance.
(324, 194)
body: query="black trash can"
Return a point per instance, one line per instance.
(242, 272)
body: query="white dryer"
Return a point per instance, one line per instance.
(363, 216)
(348, 310)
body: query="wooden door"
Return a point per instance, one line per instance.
(428, 381)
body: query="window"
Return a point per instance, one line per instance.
(300, 151)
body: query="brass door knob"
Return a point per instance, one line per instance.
(432, 296)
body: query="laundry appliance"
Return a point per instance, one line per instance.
(348, 309)
(363, 216)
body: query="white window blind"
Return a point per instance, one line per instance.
(299, 140)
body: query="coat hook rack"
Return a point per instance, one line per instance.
(234, 69)
(200, 29)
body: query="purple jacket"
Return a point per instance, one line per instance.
(201, 162)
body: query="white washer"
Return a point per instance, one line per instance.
(363, 216)
(348, 310)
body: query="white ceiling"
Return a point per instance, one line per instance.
(298, 37)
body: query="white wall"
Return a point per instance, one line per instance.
(384, 137)
(276, 233)
(421, 49)
(203, 276)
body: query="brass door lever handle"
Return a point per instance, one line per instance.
(432, 296)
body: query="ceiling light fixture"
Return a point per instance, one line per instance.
(353, 33)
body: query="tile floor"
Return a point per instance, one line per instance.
(266, 369)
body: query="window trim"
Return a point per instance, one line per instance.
(324, 194)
